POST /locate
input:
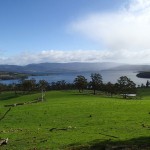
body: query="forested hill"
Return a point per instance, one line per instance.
(135, 68)
(12, 75)
(144, 75)
(58, 67)
(72, 67)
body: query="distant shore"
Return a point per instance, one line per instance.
(143, 75)
(12, 76)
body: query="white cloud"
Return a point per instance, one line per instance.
(57, 56)
(79, 56)
(139, 5)
(126, 30)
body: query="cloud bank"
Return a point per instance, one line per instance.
(126, 30)
(57, 56)
(60, 56)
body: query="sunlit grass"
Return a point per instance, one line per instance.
(84, 118)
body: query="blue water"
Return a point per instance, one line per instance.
(107, 76)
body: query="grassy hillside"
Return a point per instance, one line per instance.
(69, 120)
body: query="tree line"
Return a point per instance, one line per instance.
(123, 85)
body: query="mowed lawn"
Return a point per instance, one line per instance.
(69, 120)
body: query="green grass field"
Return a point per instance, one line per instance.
(69, 120)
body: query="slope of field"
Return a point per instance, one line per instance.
(69, 120)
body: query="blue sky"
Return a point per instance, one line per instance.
(34, 31)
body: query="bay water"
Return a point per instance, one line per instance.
(108, 76)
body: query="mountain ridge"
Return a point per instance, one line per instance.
(58, 67)
(73, 67)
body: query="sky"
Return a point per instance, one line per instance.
(37, 31)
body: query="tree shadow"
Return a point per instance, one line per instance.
(89, 92)
(140, 143)
(8, 96)
(102, 95)
(82, 94)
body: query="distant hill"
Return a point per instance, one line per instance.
(58, 67)
(43, 68)
(134, 68)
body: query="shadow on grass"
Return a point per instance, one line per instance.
(90, 92)
(7, 96)
(104, 95)
(100, 95)
(82, 94)
(141, 143)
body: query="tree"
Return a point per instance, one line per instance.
(28, 85)
(2, 87)
(42, 86)
(80, 82)
(96, 82)
(110, 88)
(61, 85)
(147, 84)
(126, 86)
